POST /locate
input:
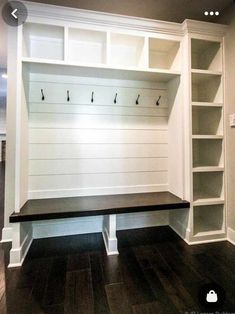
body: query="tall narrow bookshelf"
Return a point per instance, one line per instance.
(208, 175)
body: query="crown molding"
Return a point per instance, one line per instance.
(203, 28)
(60, 13)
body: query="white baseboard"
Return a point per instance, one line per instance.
(110, 244)
(83, 225)
(180, 229)
(17, 255)
(231, 235)
(6, 234)
(207, 241)
(97, 191)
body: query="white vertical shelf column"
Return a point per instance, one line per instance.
(109, 234)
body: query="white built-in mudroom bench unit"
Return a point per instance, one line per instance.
(113, 122)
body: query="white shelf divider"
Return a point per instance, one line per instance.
(208, 201)
(207, 137)
(206, 104)
(208, 169)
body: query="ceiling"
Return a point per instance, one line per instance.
(168, 10)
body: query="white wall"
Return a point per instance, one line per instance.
(3, 84)
(83, 148)
(229, 18)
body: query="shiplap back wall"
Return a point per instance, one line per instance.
(84, 148)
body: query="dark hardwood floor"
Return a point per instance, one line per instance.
(155, 272)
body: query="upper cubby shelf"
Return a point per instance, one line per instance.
(43, 41)
(164, 54)
(87, 46)
(206, 55)
(130, 56)
(127, 50)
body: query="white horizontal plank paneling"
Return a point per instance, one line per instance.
(45, 120)
(96, 136)
(81, 94)
(68, 151)
(80, 147)
(105, 190)
(52, 167)
(64, 182)
(90, 109)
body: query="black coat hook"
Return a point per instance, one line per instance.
(115, 99)
(68, 97)
(137, 100)
(92, 97)
(43, 97)
(157, 103)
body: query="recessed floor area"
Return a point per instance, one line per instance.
(155, 272)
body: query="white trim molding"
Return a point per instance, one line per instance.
(6, 234)
(73, 15)
(203, 28)
(231, 235)
(17, 255)
(109, 235)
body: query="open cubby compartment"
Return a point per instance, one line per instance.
(206, 55)
(164, 54)
(208, 185)
(207, 153)
(207, 88)
(207, 120)
(87, 46)
(127, 50)
(43, 41)
(207, 219)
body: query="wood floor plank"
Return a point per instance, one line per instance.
(99, 294)
(78, 262)
(183, 270)
(148, 308)
(79, 294)
(173, 285)
(221, 276)
(117, 299)
(138, 288)
(41, 282)
(111, 268)
(146, 258)
(55, 290)
(56, 309)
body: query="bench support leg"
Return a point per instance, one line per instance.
(109, 234)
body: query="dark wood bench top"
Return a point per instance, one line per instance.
(55, 208)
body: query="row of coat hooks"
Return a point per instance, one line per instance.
(114, 101)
